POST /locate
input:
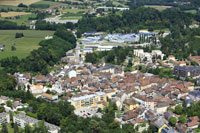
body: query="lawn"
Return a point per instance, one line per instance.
(12, 14)
(160, 8)
(23, 45)
(17, 2)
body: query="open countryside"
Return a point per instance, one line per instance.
(23, 45)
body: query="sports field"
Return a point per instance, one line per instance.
(17, 2)
(23, 45)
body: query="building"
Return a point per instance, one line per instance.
(92, 100)
(171, 57)
(1, 47)
(181, 71)
(49, 97)
(4, 118)
(130, 104)
(4, 99)
(22, 120)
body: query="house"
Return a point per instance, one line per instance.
(130, 104)
(182, 71)
(160, 124)
(1, 47)
(181, 128)
(49, 97)
(168, 114)
(72, 74)
(4, 99)
(17, 105)
(37, 89)
(48, 37)
(4, 118)
(193, 122)
(171, 57)
(22, 120)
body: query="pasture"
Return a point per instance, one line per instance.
(159, 8)
(17, 2)
(23, 45)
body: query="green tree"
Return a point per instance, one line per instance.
(16, 129)
(4, 129)
(172, 121)
(9, 104)
(178, 109)
(40, 128)
(28, 129)
(182, 119)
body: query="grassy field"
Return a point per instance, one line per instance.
(12, 14)
(17, 2)
(160, 8)
(191, 11)
(7, 6)
(23, 45)
(75, 10)
(22, 20)
(50, 3)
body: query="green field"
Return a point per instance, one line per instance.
(50, 3)
(191, 11)
(23, 45)
(160, 8)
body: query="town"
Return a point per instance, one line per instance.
(100, 66)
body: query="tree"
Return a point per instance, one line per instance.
(9, 104)
(172, 121)
(28, 129)
(16, 129)
(4, 129)
(182, 119)
(40, 128)
(13, 48)
(178, 109)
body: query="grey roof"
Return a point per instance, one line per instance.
(159, 123)
(29, 119)
(3, 114)
(187, 68)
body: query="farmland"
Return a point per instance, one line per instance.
(17, 2)
(23, 45)
(160, 8)
(12, 14)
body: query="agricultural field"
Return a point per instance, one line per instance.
(12, 14)
(160, 8)
(23, 45)
(17, 2)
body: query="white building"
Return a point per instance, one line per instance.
(4, 118)
(72, 74)
(22, 120)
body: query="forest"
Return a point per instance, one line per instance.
(135, 19)
(194, 4)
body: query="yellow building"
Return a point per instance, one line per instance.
(93, 100)
(130, 104)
